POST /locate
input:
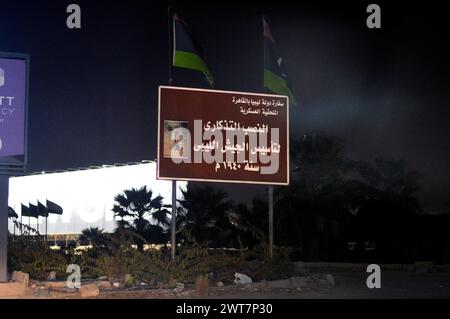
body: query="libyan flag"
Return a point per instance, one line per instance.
(187, 53)
(275, 79)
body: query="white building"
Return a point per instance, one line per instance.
(86, 195)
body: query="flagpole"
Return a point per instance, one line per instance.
(270, 188)
(170, 28)
(173, 222)
(14, 224)
(270, 221)
(46, 222)
(46, 228)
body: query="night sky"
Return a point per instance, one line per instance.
(94, 91)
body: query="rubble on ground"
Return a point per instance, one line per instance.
(241, 279)
(205, 286)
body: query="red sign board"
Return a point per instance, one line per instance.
(223, 136)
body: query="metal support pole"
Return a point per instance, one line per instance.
(4, 184)
(174, 218)
(14, 224)
(271, 221)
(173, 226)
(46, 229)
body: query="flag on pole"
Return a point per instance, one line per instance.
(29, 211)
(33, 211)
(53, 208)
(187, 52)
(275, 79)
(25, 211)
(12, 213)
(42, 210)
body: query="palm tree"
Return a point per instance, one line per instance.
(252, 223)
(143, 214)
(204, 215)
(94, 236)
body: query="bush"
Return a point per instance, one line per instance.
(157, 266)
(35, 258)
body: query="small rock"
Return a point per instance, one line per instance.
(21, 277)
(241, 279)
(201, 286)
(89, 291)
(179, 288)
(52, 276)
(11, 289)
(102, 278)
(220, 284)
(116, 284)
(142, 283)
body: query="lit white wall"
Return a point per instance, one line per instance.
(87, 196)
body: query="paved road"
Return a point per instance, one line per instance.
(398, 285)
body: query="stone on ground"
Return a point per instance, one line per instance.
(241, 279)
(12, 289)
(201, 286)
(89, 291)
(21, 277)
(179, 288)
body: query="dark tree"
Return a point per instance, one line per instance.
(204, 215)
(94, 236)
(143, 214)
(309, 209)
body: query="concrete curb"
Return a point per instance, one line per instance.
(418, 266)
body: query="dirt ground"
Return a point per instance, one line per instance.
(347, 285)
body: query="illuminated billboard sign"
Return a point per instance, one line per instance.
(222, 136)
(86, 195)
(13, 108)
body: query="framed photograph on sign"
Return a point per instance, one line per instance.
(174, 148)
